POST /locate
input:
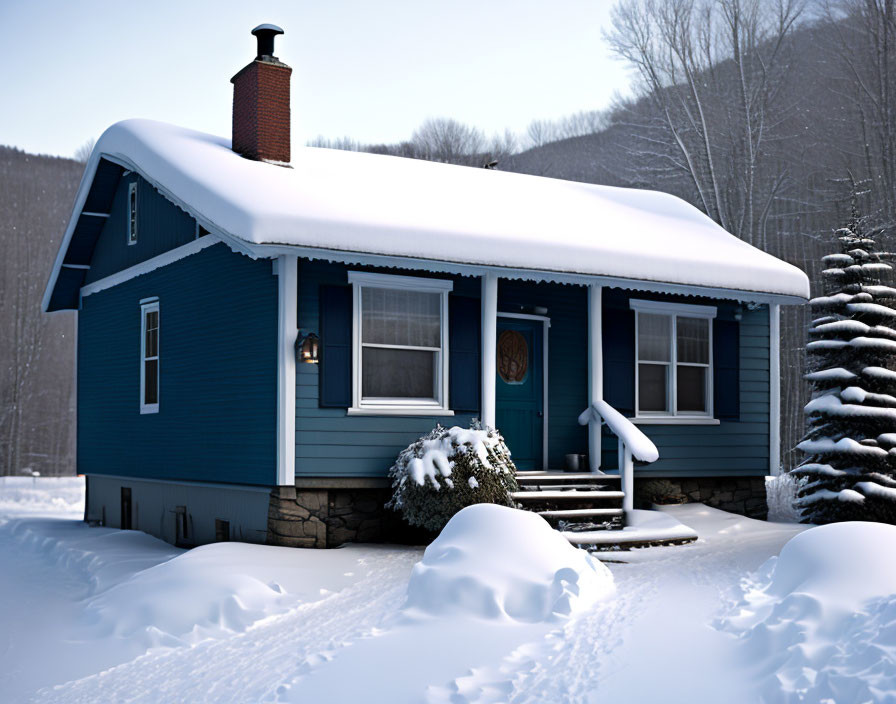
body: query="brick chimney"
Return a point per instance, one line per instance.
(261, 103)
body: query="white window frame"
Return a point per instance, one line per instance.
(399, 406)
(150, 306)
(132, 213)
(674, 311)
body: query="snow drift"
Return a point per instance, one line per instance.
(821, 617)
(500, 563)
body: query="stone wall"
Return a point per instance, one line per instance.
(327, 518)
(743, 495)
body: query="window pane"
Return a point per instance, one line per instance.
(397, 317)
(151, 340)
(398, 373)
(693, 340)
(653, 337)
(652, 387)
(151, 381)
(692, 389)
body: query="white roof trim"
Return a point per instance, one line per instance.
(149, 265)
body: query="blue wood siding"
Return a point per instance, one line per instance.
(329, 442)
(732, 448)
(161, 226)
(217, 418)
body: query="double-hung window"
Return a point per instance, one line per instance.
(149, 357)
(400, 333)
(673, 359)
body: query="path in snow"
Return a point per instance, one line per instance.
(655, 641)
(250, 666)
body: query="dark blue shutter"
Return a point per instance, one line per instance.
(464, 377)
(619, 359)
(336, 346)
(726, 369)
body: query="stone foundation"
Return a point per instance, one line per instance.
(329, 517)
(742, 495)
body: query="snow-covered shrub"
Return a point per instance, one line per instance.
(850, 464)
(449, 469)
(781, 492)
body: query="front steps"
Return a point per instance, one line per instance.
(572, 501)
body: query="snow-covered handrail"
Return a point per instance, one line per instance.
(632, 443)
(628, 433)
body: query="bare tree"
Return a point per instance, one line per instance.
(82, 153)
(713, 71)
(450, 141)
(863, 48)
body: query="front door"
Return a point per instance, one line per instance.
(519, 395)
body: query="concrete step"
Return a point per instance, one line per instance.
(591, 486)
(571, 495)
(551, 477)
(574, 513)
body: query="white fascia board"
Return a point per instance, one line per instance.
(157, 262)
(538, 275)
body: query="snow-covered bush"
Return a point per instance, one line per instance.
(449, 469)
(852, 367)
(781, 492)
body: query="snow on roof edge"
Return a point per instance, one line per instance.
(261, 208)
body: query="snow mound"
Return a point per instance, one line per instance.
(196, 595)
(821, 617)
(500, 563)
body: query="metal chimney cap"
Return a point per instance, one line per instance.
(265, 34)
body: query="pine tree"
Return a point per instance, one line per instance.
(850, 445)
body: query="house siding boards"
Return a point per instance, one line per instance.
(330, 443)
(732, 448)
(218, 374)
(161, 226)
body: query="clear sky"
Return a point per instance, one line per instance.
(369, 70)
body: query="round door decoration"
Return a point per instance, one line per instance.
(513, 357)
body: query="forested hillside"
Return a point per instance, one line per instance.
(768, 118)
(36, 350)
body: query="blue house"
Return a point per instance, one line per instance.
(260, 333)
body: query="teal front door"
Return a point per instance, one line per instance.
(519, 392)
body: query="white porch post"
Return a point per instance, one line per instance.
(774, 381)
(489, 346)
(595, 371)
(287, 320)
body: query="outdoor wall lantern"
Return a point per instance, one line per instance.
(309, 349)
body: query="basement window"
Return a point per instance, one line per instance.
(673, 359)
(149, 357)
(132, 213)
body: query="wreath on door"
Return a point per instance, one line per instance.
(513, 357)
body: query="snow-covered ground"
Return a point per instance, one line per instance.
(96, 614)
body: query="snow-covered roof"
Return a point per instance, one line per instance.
(404, 208)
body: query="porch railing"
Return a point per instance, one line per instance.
(633, 444)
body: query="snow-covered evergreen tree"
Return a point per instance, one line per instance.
(850, 444)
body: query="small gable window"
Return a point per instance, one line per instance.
(149, 357)
(132, 213)
(673, 359)
(400, 344)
